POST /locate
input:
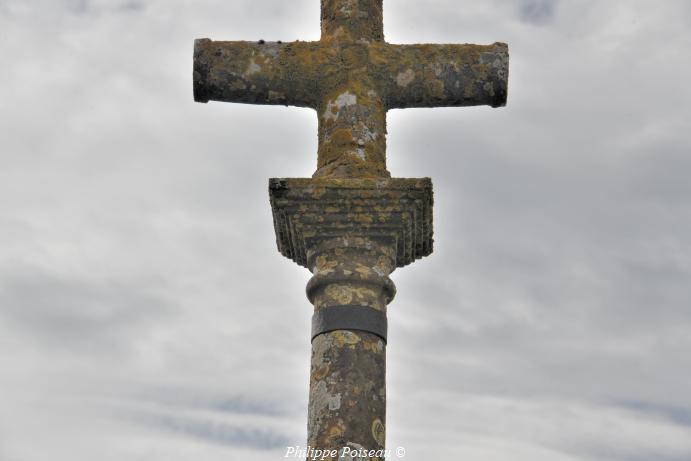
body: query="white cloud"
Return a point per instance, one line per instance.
(137, 244)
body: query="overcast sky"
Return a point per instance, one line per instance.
(145, 313)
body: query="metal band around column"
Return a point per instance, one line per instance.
(359, 318)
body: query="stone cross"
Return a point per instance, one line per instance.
(351, 224)
(351, 77)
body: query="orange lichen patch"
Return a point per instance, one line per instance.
(342, 137)
(355, 57)
(384, 266)
(321, 372)
(364, 294)
(362, 218)
(337, 430)
(363, 270)
(387, 208)
(339, 293)
(317, 192)
(324, 266)
(345, 338)
(373, 345)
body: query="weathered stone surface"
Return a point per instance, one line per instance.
(351, 233)
(351, 77)
(396, 212)
(351, 224)
(352, 20)
(348, 373)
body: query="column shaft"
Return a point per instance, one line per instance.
(347, 405)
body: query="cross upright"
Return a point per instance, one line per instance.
(351, 224)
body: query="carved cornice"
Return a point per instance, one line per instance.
(394, 211)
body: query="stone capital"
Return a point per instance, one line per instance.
(390, 217)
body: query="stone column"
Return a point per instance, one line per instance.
(351, 233)
(348, 373)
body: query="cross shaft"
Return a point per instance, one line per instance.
(351, 77)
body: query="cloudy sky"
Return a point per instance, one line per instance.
(145, 313)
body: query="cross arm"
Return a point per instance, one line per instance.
(254, 73)
(445, 75)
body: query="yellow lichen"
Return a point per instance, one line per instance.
(345, 338)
